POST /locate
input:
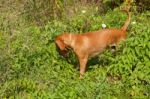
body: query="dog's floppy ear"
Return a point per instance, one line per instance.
(60, 43)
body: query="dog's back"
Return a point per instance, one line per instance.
(95, 42)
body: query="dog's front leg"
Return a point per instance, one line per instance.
(83, 62)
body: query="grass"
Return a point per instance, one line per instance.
(30, 66)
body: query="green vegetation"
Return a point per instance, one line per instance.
(30, 66)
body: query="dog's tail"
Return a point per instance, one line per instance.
(127, 22)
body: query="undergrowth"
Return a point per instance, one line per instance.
(30, 66)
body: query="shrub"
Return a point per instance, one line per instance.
(30, 66)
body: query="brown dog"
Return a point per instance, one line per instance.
(91, 43)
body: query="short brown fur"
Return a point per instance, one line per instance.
(92, 43)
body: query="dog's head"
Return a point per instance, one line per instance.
(62, 44)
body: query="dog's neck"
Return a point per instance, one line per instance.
(70, 41)
(72, 38)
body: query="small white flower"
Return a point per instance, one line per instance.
(83, 11)
(103, 26)
(134, 22)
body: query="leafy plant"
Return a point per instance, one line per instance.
(30, 66)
